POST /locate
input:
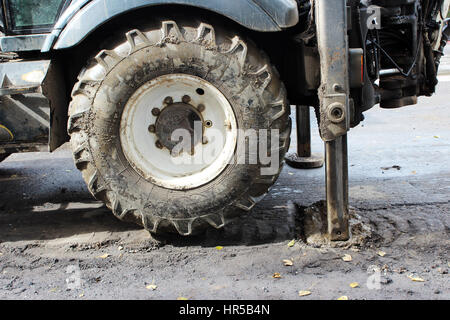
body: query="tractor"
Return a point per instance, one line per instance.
(178, 111)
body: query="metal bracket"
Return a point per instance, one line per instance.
(331, 21)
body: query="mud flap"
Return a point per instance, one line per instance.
(33, 105)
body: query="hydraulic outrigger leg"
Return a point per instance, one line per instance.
(334, 94)
(304, 158)
(337, 188)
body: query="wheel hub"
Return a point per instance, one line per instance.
(164, 105)
(178, 116)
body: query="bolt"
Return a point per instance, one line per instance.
(208, 123)
(159, 145)
(186, 99)
(337, 87)
(152, 128)
(156, 112)
(168, 100)
(336, 112)
(201, 107)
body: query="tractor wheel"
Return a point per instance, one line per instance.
(130, 101)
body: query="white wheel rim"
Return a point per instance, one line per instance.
(158, 165)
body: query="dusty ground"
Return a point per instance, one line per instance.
(55, 240)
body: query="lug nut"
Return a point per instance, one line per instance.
(159, 145)
(186, 99)
(152, 128)
(156, 112)
(201, 107)
(168, 100)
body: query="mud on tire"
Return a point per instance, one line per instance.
(223, 58)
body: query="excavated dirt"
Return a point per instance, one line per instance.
(312, 228)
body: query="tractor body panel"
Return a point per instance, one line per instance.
(63, 24)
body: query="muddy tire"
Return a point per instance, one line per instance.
(221, 60)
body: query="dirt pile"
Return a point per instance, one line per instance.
(312, 227)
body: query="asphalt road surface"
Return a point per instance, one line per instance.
(56, 242)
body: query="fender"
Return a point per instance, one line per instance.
(84, 16)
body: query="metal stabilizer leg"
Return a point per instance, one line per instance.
(337, 188)
(304, 159)
(334, 94)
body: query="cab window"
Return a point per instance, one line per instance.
(33, 15)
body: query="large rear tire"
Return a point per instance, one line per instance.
(111, 129)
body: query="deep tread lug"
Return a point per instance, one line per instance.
(184, 226)
(239, 48)
(246, 203)
(107, 59)
(171, 32)
(215, 220)
(132, 35)
(75, 122)
(206, 34)
(263, 78)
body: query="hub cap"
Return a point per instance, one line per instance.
(159, 109)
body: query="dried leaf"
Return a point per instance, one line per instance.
(219, 248)
(381, 253)
(276, 275)
(347, 258)
(304, 293)
(416, 279)
(354, 284)
(436, 137)
(106, 255)
(81, 295)
(182, 298)
(151, 287)
(288, 263)
(291, 244)
(343, 298)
